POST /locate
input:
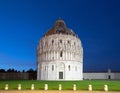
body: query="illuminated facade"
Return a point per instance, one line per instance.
(60, 54)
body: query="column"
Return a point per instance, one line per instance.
(57, 54)
(66, 55)
(38, 72)
(63, 55)
(69, 55)
(53, 55)
(48, 55)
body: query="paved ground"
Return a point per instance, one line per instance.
(52, 91)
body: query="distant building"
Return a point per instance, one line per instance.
(60, 54)
(102, 75)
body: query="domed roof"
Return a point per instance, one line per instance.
(60, 28)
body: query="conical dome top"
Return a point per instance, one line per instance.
(60, 28)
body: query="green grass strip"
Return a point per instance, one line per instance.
(113, 85)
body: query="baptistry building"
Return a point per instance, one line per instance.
(60, 54)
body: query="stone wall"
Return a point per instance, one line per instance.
(17, 76)
(89, 75)
(105, 75)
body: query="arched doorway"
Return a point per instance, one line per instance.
(60, 75)
(61, 68)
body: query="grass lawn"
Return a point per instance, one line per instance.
(66, 85)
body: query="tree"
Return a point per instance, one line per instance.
(30, 70)
(11, 70)
(2, 70)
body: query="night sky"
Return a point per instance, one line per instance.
(24, 22)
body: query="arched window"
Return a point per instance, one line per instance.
(45, 68)
(52, 42)
(74, 43)
(61, 54)
(68, 42)
(60, 41)
(69, 67)
(52, 67)
(75, 68)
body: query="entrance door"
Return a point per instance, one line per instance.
(60, 75)
(109, 76)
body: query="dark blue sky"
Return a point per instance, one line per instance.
(24, 22)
